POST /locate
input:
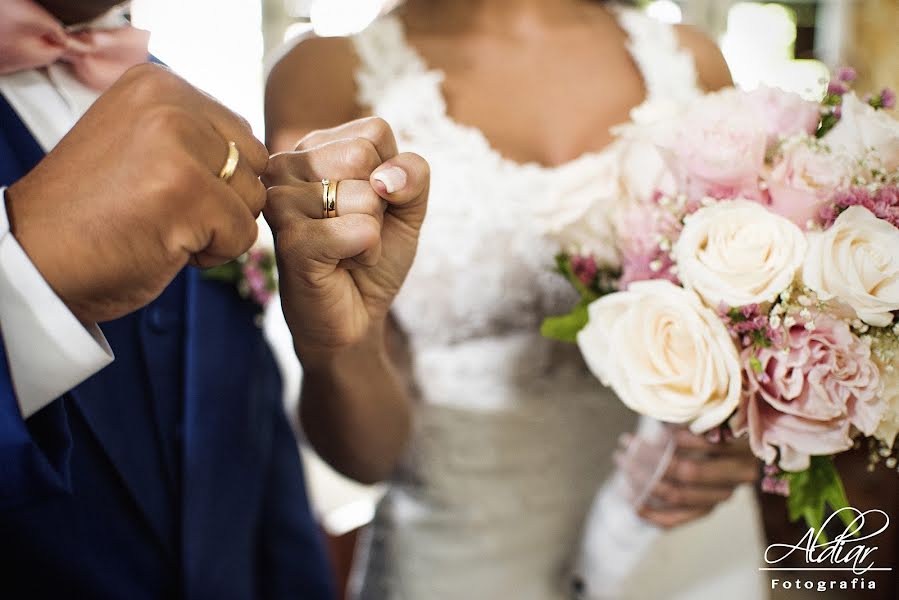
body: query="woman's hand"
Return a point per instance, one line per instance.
(339, 275)
(701, 475)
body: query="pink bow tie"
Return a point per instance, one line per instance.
(30, 37)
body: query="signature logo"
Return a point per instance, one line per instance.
(849, 550)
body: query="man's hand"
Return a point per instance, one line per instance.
(132, 194)
(339, 275)
(701, 475)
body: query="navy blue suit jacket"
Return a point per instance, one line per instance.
(172, 473)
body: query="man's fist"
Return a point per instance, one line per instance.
(132, 194)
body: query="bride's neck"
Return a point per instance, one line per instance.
(490, 15)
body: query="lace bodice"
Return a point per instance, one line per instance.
(512, 436)
(479, 244)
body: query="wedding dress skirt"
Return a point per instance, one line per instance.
(492, 497)
(513, 438)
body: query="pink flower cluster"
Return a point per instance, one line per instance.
(773, 481)
(642, 232)
(585, 269)
(750, 326)
(842, 85)
(883, 203)
(885, 99)
(258, 271)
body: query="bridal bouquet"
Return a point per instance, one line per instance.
(755, 290)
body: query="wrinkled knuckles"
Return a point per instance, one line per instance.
(306, 140)
(151, 83)
(171, 178)
(281, 168)
(167, 119)
(280, 197)
(376, 129)
(360, 152)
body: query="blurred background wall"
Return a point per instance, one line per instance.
(220, 45)
(873, 42)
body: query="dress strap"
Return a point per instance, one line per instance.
(385, 57)
(667, 68)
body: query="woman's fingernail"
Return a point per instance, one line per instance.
(393, 178)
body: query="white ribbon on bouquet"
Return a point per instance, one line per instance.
(616, 538)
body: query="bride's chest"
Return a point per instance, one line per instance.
(532, 108)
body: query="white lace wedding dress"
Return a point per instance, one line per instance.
(513, 437)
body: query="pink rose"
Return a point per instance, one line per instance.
(718, 149)
(803, 178)
(806, 396)
(784, 113)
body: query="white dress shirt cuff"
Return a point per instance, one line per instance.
(48, 349)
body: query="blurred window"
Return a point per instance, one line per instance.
(772, 43)
(215, 45)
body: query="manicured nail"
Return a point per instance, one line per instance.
(393, 178)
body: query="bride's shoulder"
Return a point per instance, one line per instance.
(309, 86)
(711, 67)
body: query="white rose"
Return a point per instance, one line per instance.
(863, 128)
(738, 253)
(579, 214)
(889, 426)
(665, 354)
(856, 261)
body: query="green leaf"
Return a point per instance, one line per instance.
(813, 490)
(827, 123)
(565, 327)
(230, 272)
(563, 266)
(736, 315)
(760, 339)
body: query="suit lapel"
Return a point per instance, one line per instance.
(225, 430)
(122, 423)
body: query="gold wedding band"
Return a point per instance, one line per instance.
(329, 198)
(230, 163)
